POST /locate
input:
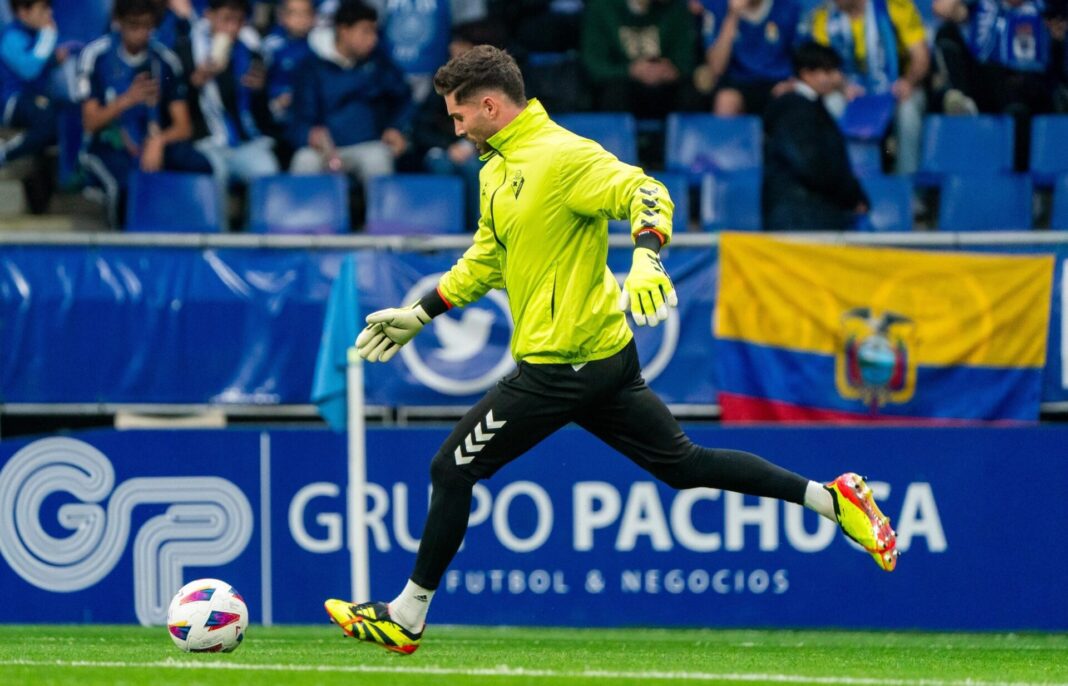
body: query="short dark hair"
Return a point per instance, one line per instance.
(17, 5)
(483, 67)
(811, 56)
(353, 12)
(242, 6)
(137, 8)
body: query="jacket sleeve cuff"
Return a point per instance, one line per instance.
(649, 238)
(434, 303)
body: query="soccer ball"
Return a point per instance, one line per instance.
(207, 616)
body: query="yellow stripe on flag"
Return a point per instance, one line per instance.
(966, 309)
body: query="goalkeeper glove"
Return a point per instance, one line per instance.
(387, 330)
(648, 291)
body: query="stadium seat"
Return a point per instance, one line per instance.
(615, 131)
(867, 117)
(173, 202)
(731, 201)
(1049, 141)
(996, 202)
(81, 21)
(679, 190)
(1059, 219)
(299, 204)
(891, 203)
(698, 144)
(964, 145)
(415, 204)
(866, 157)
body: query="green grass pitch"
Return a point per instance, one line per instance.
(66, 654)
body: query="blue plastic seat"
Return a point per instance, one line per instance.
(299, 204)
(1049, 144)
(173, 202)
(891, 203)
(964, 145)
(1000, 202)
(867, 117)
(1059, 219)
(731, 201)
(866, 157)
(415, 204)
(615, 131)
(698, 144)
(679, 190)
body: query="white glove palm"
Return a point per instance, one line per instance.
(387, 330)
(648, 291)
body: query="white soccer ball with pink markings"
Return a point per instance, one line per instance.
(207, 616)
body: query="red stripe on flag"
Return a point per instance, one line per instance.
(743, 408)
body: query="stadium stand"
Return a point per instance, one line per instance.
(994, 202)
(309, 204)
(731, 201)
(615, 131)
(173, 202)
(414, 204)
(1049, 141)
(1059, 219)
(964, 145)
(700, 143)
(891, 203)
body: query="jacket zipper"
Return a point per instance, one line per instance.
(552, 300)
(493, 196)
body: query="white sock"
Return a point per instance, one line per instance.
(819, 499)
(409, 608)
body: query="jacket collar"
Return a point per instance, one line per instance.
(531, 119)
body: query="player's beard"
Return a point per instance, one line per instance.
(483, 146)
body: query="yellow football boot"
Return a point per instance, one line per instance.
(371, 622)
(861, 519)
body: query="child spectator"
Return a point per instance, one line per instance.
(808, 181)
(28, 54)
(227, 97)
(747, 51)
(176, 23)
(351, 103)
(133, 105)
(283, 51)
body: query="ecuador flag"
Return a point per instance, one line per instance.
(821, 332)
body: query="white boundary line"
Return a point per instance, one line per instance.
(504, 671)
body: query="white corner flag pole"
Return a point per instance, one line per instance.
(357, 500)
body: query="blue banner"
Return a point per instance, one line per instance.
(105, 526)
(192, 325)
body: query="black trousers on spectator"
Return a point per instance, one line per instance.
(996, 89)
(609, 399)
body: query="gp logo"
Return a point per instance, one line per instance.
(208, 522)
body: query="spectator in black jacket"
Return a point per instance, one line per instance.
(808, 181)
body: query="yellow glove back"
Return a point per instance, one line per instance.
(648, 291)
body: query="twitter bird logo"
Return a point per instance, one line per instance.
(461, 340)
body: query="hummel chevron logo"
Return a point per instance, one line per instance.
(475, 441)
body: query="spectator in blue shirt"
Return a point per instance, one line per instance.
(175, 24)
(998, 57)
(351, 104)
(747, 51)
(28, 54)
(227, 98)
(283, 51)
(133, 105)
(417, 33)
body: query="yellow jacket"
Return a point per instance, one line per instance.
(546, 198)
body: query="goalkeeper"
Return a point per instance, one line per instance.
(546, 197)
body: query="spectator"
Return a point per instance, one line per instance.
(808, 181)
(284, 50)
(133, 105)
(638, 54)
(417, 37)
(747, 51)
(351, 103)
(227, 96)
(998, 59)
(28, 54)
(435, 141)
(883, 50)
